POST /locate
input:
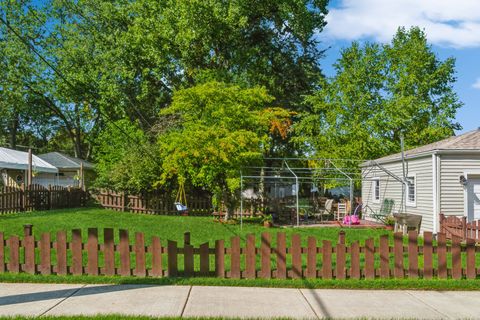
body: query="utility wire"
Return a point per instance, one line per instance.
(142, 117)
(63, 78)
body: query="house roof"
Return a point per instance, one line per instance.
(62, 161)
(466, 142)
(14, 159)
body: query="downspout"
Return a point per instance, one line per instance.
(435, 192)
(404, 176)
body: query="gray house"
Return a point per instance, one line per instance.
(69, 174)
(443, 177)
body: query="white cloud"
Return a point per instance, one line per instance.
(476, 85)
(446, 22)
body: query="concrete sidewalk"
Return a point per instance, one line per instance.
(185, 301)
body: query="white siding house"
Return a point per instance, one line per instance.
(14, 166)
(444, 176)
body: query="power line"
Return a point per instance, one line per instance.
(63, 78)
(142, 117)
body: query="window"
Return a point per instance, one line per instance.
(411, 190)
(376, 190)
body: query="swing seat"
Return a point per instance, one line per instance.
(180, 207)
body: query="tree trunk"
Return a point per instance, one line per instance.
(78, 137)
(13, 132)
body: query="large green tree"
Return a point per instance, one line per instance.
(20, 69)
(380, 92)
(220, 129)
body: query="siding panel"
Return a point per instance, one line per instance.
(392, 189)
(451, 191)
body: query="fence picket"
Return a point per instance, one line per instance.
(108, 252)
(250, 257)
(427, 255)
(125, 269)
(355, 260)
(456, 257)
(29, 251)
(412, 254)
(157, 269)
(471, 271)
(62, 253)
(14, 246)
(204, 260)
(442, 255)
(235, 258)
(326, 259)
(341, 260)
(296, 256)
(265, 251)
(220, 258)
(384, 257)
(281, 255)
(311, 257)
(398, 255)
(77, 261)
(45, 254)
(140, 261)
(92, 252)
(172, 263)
(369, 259)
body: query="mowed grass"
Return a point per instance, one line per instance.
(202, 229)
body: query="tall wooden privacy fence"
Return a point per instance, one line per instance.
(153, 202)
(458, 226)
(408, 259)
(37, 197)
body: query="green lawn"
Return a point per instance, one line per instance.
(202, 229)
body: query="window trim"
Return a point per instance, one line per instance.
(374, 195)
(407, 191)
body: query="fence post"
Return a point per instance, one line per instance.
(186, 238)
(22, 197)
(27, 229)
(49, 197)
(442, 221)
(464, 228)
(341, 237)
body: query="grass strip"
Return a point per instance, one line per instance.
(376, 284)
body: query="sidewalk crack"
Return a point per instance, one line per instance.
(311, 307)
(186, 301)
(56, 304)
(429, 305)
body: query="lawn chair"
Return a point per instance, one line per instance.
(342, 210)
(327, 211)
(385, 211)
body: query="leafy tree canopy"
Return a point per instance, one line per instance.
(380, 92)
(221, 128)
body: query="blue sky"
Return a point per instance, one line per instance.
(452, 28)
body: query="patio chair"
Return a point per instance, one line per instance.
(327, 211)
(342, 210)
(385, 210)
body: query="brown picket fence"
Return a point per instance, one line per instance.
(458, 226)
(37, 197)
(152, 202)
(159, 259)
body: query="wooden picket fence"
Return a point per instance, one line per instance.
(37, 197)
(458, 226)
(159, 259)
(153, 202)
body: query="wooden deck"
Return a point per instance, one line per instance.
(364, 224)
